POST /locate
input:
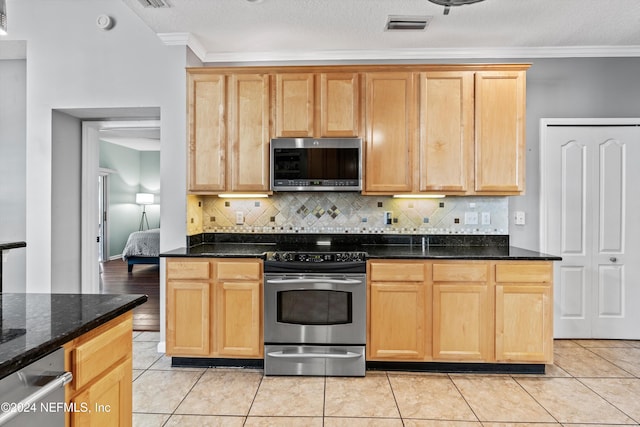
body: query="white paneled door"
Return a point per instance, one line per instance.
(590, 217)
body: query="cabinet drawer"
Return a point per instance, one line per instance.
(187, 269)
(397, 271)
(100, 353)
(238, 270)
(524, 273)
(461, 272)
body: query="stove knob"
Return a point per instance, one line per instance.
(287, 256)
(275, 257)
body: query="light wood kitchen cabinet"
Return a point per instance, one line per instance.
(499, 132)
(101, 364)
(317, 105)
(398, 307)
(189, 302)
(524, 316)
(462, 312)
(238, 309)
(207, 136)
(390, 136)
(446, 148)
(249, 133)
(229, 132)
(214, 307)
(295, 101)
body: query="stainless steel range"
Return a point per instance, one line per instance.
(315, 313)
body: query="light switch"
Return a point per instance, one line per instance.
(486, 218)
(520, 218)
(239, 218)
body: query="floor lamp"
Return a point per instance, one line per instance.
(144, 199)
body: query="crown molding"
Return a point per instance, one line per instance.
(187, 39)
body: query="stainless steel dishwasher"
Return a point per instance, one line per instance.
(34, 395)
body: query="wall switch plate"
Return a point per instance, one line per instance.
(520, 218)
(485, 218)
(239, 218)
(471, 218)
(388, 218)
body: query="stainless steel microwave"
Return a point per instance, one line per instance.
(316, 164)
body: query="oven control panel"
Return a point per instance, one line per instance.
(315, 257)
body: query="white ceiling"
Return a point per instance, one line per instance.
(272, 30)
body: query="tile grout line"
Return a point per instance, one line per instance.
(395, 399)
(465, 399)
(579, 379)
(255, 395)
(536, 400)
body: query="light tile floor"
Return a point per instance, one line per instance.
(592, 383)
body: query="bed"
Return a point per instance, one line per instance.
(143, 247)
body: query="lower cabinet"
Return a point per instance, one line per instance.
(397, 312)
(214, 307)
(101, 364)
(524, 312)
(460, 311)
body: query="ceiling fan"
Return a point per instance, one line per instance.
(448, 3)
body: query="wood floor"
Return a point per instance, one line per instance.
(145, 279)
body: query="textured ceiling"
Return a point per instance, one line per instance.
(239, 30)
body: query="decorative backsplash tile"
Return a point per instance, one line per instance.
(348, 213)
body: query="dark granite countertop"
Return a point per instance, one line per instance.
(33, 325)
(11, 245)
(376, 247)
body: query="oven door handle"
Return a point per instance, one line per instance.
(283, 355)
(316, 280)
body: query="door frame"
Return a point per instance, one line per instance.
(544, 141)
(90, 272)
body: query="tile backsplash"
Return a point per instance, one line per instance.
(339, 212)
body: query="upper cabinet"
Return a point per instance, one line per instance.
(389, 134)
(229, 133)
(500, 132)
(207, 136)
(446, 132)
(426, 129)
(249, 134)
(317, 105)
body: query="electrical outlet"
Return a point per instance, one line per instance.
(486, 218)
(520, 218)
(471, 218)
(239, 218)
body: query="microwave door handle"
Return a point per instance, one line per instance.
(302, 281)
(283, 355)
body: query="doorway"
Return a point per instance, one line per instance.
(589, 209)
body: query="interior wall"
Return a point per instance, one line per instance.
(150, 183)
(66, 173)
(73, 64)
(13, 110)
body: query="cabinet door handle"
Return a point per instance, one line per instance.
(613, 259)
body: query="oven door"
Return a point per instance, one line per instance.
(315, 309)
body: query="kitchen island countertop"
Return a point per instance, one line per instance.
(33, 325)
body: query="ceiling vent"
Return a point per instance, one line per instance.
(449, 3)
(407, 23)
(155, 4)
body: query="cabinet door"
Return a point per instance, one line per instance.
(389, 133)
(339, 105)
(238, 317)
(207, 146)
(294, 105)
(108, 400)
(462, 318)
(446, 132)
(524, 312)
(524, 330)
(249, 132)
(188, 318)
(397, 321)
(500, 132)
